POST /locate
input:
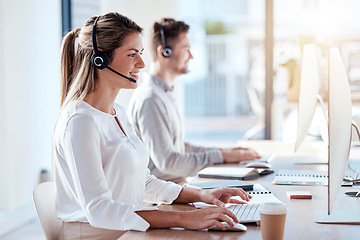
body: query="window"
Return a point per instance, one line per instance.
(223, 93)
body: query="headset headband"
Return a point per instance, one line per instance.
(96, 50)
(162, 33)
(166, 51)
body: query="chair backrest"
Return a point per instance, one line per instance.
(44, 199)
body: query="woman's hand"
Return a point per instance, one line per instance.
(220, 196)
(202, 218)
(207, 218)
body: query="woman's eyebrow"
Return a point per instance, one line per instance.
(136, 50)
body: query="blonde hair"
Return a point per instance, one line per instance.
(78, 75)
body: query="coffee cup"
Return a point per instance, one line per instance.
(272, 220)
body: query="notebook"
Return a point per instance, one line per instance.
(247, 213)
(238, 173)
(304, 177)
(223, 183)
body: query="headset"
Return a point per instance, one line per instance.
(99, 59)
(166, 51)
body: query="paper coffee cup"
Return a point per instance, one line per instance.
(272, 220)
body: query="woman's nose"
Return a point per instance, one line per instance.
(140, 63)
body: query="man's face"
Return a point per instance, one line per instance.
(181, 55)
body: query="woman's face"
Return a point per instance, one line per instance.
(127, 61)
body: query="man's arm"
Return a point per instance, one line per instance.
(152, 123)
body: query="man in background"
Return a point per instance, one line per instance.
(156, 117)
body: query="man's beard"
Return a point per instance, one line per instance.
(184, 70)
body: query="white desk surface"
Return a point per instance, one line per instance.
(300, 218)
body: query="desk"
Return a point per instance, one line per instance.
(300, 218)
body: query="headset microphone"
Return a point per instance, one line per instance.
(122, 75)
(99, 59)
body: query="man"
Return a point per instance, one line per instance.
(156, 118)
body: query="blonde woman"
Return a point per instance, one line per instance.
(100, 165)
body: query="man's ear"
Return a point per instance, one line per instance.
(158, 51)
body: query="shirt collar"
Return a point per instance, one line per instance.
(161, 83)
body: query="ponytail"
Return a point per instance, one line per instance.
(67, 60)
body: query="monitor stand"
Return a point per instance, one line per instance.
(338, 216)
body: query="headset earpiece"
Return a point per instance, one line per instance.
(100, 60)
(166, 51)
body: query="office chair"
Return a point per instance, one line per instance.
(44, 199)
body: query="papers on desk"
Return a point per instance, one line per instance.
(239, 173)
(259, 195)
(223, 183)
(303, 177)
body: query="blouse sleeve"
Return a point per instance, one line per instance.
(160, 191)
(83, 156)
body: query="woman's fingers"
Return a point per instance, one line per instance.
(237, 201)
(216, 223)
(209, 217)
(236, 192)
(220, 196)
(224, 215)
(221, 213)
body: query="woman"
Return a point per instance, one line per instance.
(100, 165)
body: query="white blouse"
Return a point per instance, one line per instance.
(101, 174)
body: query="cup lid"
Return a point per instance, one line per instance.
(272, 208)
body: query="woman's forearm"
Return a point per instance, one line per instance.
(188, 195)
(162, 219)
(197, 219)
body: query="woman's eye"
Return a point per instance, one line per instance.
(132, 55)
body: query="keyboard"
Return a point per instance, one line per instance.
(246, 213)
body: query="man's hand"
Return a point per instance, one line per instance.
(238, 154)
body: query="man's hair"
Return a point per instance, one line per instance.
(172, 30)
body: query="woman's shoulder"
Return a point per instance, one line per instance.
(75, 111)
(79, 108)
(73, 116)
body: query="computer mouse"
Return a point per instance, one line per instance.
(257, 164)
(238, 227)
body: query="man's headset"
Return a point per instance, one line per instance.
(99, 59)
(166, 51)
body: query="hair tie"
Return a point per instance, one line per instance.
(76, 32)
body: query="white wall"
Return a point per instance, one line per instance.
(30, 37)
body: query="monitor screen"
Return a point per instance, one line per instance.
(309, 89)
(339, 128)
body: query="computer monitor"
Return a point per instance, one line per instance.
(339, 130)
(309, 89)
